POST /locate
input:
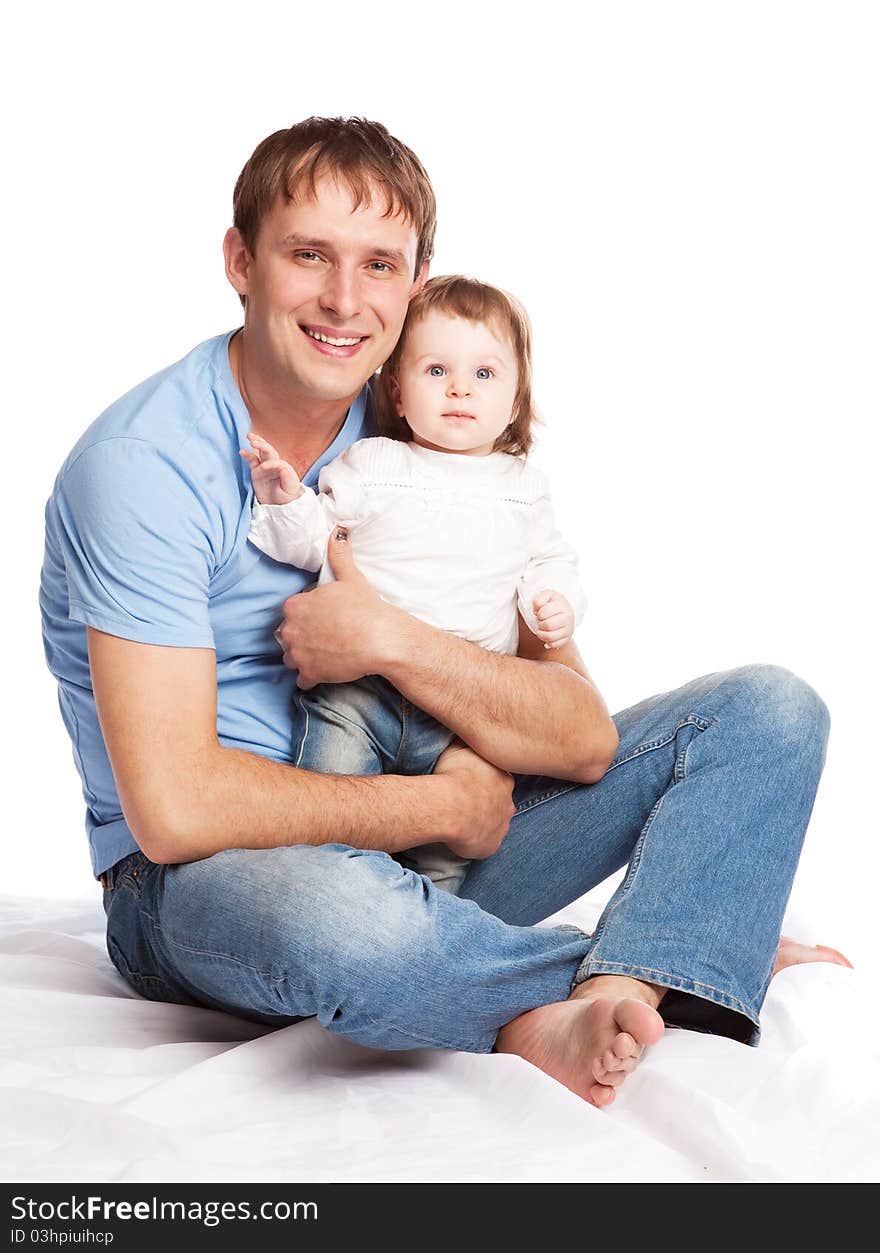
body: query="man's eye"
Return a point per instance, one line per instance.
(436, 371)
(381, 267)
(307, 256)
(484, 372)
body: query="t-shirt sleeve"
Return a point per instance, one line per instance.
(552, 565)
(139, 538)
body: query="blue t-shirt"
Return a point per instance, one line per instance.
(147, 539)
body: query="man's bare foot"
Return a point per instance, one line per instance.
(793, 953)
(592, 1041)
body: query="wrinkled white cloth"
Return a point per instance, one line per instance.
(97, 1084)
(459, 542)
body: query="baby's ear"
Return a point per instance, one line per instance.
(395, 396)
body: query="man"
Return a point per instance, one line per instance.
(236, 881)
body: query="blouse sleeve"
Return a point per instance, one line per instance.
(552, 565)
(297, 532)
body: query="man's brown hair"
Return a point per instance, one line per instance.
(463, 297)
(359, 153)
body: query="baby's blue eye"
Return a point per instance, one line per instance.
(484, 373)
(436, 371)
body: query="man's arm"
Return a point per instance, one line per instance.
(185, 796)
(526, 714)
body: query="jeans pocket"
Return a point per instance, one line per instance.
(128, 940)
(128, 869)
(130, 872)
(152, 987)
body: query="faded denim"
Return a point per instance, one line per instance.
(706, 803)
(368, 728)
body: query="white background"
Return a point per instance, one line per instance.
(684, 195)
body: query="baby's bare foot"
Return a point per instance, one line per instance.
(793, 953)
(590, 1042)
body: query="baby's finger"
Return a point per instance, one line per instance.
(263, 446)
(556, 604)
(557, 639)
(554, 622)
(552, 637)
(541, 599)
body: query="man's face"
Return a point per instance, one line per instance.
(327, 291)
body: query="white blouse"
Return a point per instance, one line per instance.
(460, 542)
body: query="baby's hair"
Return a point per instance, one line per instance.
(463, 297)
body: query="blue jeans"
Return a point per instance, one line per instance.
(368, 728)
(706, 803)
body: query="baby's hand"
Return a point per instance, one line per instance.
(555, 618)
(275, 481)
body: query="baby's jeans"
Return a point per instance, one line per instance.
(369, 728)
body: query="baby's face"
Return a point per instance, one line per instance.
(456, 384)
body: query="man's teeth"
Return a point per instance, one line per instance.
(328, 339)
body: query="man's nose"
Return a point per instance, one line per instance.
(341, 294)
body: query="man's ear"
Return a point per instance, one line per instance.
(420, 279)
(238, 260)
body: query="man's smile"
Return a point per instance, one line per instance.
(332, 342)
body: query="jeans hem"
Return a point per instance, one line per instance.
(694, 987)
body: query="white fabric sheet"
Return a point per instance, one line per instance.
(97, 1084)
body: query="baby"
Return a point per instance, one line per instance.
(446, 519)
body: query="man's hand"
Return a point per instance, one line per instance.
(483, 805)
(275, 480)
(340, 631)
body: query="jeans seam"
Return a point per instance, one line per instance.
(404, 727)
(471, 1046)
(679, 982)
(547, 796)
(357, 726)
(305, 734)
(633, 865)
(691, 720)
(661, 741)
(681, 759)
(285, 978)
(204, 952)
